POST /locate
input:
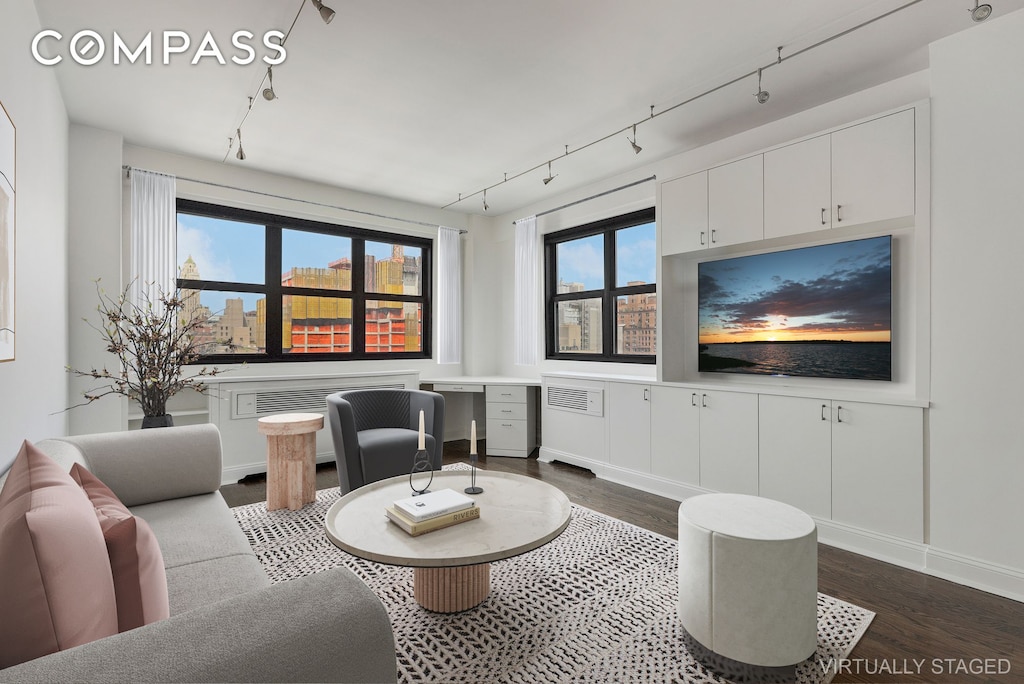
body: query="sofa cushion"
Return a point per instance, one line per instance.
(140, 583)
(206, 554)
(57, 591)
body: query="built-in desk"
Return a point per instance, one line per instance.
(511, 417)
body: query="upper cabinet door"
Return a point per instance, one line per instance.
(684, 214)
(736, 202)
(873, 170)
(798, 188)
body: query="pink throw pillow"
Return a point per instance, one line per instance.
(56, 589)
(140, 582)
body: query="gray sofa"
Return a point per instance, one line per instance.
(227, 624)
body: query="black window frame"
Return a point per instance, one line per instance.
(608, 295)
(274, 291)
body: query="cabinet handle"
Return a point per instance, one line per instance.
(457, 387)
(839, 414)
(823, 210)
(506, 425)
(702, 237)
(693, 399)
(645, 394)
(713, 231)
(704, 400)
(506, 394)
(839, 213)
(823, 407)
(506, 410)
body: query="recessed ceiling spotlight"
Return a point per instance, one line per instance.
(980, 12)
(326, 13)
(762, 95)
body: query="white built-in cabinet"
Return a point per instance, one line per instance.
(675, 435)
(855, 464)
(736, 202)
(629, 420)
(728, 440)
(854, 175)
(683, 222)
(511, 420)
(863, 173)
(878, 468)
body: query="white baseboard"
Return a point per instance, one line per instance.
(978, 574)
(972, 572)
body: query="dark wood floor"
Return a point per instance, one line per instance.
(926, 629)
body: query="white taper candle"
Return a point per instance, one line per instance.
(423, 440)
(472, 437)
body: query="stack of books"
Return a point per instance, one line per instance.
(432, 511)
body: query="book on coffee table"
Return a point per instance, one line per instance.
(436, 523)
(433, 504)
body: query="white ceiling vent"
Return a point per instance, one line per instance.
(576, 399)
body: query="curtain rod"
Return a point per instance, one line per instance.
(594, 197)
(462, 231)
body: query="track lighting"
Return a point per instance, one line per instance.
(636, 148)
(326, 13)
(761, 94)
(550, 177)
(241, 153)
(486, 207)
(980, 12)
(268, 93)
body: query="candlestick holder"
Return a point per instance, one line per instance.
(473, 489)
(421, 463)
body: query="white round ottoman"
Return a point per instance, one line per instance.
(748, 578)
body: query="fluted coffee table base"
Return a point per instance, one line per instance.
(451, 590)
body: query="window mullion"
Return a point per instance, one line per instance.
(274, 303)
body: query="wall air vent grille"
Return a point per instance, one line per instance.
(304, 399)
(576, 399)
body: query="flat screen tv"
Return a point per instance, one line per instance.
(823, 311)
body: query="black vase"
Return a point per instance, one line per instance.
(165, 420)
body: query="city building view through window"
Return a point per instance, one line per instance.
(308, 295)
(604, 267)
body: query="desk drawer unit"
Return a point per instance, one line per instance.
(511, 420)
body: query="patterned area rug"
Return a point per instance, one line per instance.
(597, 604)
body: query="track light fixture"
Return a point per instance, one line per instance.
(486, 207)
(762, 95)
(241, 153)
(550, 176)
(326, 13)
(268, 93)
(636, 148)
(980, 12)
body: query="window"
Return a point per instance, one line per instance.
(271, 288)
(601, 295)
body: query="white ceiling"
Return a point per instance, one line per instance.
(425, 99)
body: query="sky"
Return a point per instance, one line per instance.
(582, 260)
(234, 251)
(841, 291)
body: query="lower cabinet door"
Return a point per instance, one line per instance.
(728, 442)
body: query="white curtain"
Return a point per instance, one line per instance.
(449, 300)
(153, 235)
(527, 284)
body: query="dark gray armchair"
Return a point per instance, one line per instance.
(376, 431)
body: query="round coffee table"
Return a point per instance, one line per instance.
(452, 565)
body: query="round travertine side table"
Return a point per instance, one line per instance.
(291, 458)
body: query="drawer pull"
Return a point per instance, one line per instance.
(506, 410)
(506, 425)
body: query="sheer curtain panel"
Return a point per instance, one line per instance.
(153, 234)
(525, 303)
(449, 301)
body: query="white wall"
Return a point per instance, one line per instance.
(977, 451)
(94, 245)
(33, 387)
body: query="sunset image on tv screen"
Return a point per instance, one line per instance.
(823, 311)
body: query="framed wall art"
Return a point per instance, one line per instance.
(8, 187)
